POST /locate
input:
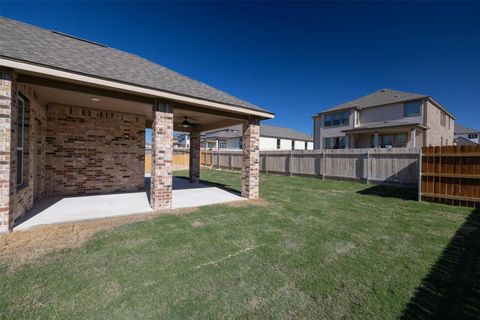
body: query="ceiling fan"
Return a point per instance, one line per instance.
(187, 124)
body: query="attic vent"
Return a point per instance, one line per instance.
(383, 90)
(76, 38)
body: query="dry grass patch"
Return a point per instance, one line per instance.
(20, 247)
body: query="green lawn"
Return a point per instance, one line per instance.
(318, 249)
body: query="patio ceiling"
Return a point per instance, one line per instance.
(51, 91)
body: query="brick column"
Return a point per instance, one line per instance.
(7, 147)
(194, 160)
(251, 159)
(162, 155)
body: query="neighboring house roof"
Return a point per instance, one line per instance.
(459, 129)
(385, 124)
(23, 42)
(461, 141)
(381, 97)
(265, 131)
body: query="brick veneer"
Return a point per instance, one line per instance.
(7, 104)
(93, 151)
(162, 156)
(194, 159)
(251, 159)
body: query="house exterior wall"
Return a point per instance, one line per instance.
(437, 134)
(16, 200)
(321, 132)
(394, 111)
(35, 185)
(93, 151)
(233, 143)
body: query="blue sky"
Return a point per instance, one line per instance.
(294, 59)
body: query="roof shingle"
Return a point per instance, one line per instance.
(24, 42)
(377, 98)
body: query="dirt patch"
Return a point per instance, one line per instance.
(24, 246)
(244, 203)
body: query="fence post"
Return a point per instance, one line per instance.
(290, 163)
(420, 175)
(324, 165)
(266, 161)
(368, 166)
(230, 161)
(218, 159)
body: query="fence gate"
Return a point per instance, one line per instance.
(451, 175)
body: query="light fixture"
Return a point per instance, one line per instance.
(185, 123)
(95, 99)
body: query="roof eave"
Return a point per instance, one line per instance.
(123, 86)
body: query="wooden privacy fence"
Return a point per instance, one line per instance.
(397, 166)
(451, 175)
(180, 160)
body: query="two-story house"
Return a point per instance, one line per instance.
(466, 136)
(384, 119)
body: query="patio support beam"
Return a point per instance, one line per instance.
(376, 140)
(251, 159)
(414, 137)
(194, 159)
(7, 146)
(162, 155)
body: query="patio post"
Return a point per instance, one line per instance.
(162, 155)
(251, 159)
(8, 111)
(194, 159)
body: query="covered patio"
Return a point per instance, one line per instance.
(73, 134)
(58, 209)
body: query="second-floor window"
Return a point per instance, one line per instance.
(443, 119)
(337, 119)
(293, 144)
(473, 136)
(278, 143)
(413, 108)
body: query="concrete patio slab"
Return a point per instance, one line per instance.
(73, 209)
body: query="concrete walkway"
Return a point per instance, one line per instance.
(72, 209)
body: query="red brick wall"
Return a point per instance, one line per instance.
(93, 151)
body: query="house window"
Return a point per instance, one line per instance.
(443, 119)
(413, 108)
(334, 143)
(306, 145)
(293, 144)
(337, 119)
(222, 144)
(278, 143)
(22, 139)
(472, 136)
(398, 140)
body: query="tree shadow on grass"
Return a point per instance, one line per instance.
(391, 192)
(452, 288)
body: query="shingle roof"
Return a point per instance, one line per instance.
(24, 42)
(461, 141)
(265, 131)
(459, 129)
(381, 97)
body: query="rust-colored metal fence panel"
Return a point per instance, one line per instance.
(451, 175)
